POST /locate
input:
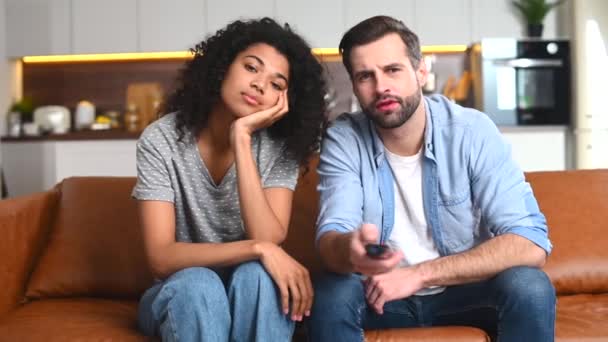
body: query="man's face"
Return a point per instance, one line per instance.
(385, 82)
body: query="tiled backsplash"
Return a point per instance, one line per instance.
(105, 83)
(445, 65)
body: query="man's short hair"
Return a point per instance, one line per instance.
(374, 28)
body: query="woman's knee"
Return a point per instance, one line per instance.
(195, 289)
(188, 300)
(194, 283)
(250, 275)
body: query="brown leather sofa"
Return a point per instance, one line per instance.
(72, 265)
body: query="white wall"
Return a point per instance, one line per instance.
(10, 75)
(4, 70)
(3, 76)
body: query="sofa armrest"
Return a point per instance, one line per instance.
(24, 226)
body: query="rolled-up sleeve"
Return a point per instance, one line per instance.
(505, 199)
(283, 174)
(340, 190)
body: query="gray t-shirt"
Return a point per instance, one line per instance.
(173, 171)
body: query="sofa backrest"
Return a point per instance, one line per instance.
(300, 242)
(95, 246)
(575, 204)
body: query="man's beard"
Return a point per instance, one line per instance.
(407, 107)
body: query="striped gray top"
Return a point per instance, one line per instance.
(173, 171)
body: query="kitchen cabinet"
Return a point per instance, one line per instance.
(37, 27)
(37, 166)
(591, 148)
(358, 10)
(108, 26)
(495, 18)
(170, 25)
(538, 148)
(320, 22)
(440, 22)
(46, 27)
(27, 167)
(220, 13)
(114, 158)
(499, 18)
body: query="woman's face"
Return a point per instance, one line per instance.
(254, 80)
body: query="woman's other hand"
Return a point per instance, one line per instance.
(292, 279)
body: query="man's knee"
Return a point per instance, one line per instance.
(528, 284)
(338, 295)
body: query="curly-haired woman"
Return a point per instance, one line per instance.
(215, 184)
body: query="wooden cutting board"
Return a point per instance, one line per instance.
(147, 97)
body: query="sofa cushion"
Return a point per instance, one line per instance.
(24, 225)
(95, 246)
(436, 334)
(72, 320)
(582, 318)
(576, 208)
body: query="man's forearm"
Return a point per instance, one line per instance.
(482, 262)
(334, 251)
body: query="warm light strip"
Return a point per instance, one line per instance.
(443, 48)
(425, 49)
(332, 52)
(325, 51)
(107, 57)
(321, 52)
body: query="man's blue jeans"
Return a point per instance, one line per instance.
(514, 306)
(196, 304)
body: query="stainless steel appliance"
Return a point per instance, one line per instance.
(522, 82)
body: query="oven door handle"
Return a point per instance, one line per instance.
(524, 63)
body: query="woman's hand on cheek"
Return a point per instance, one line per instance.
(246, 126)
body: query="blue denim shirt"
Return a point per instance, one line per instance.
(472, 188)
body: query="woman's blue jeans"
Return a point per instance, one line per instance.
(197, 304)
(516, 305)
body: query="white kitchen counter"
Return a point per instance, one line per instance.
(38, 164)
(539, 148)
(549, 128)
(33, 166)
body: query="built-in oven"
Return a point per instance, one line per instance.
(522, 82)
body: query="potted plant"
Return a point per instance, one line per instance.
(534, 12)
(19, 113)
(25, 107)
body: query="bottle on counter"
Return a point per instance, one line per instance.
(156, 108)
(14, 124)
(114, 117)
(84, 115)
(132, 118)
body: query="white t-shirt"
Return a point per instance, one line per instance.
(411, 233)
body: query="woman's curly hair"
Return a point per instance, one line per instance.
(201, 79)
